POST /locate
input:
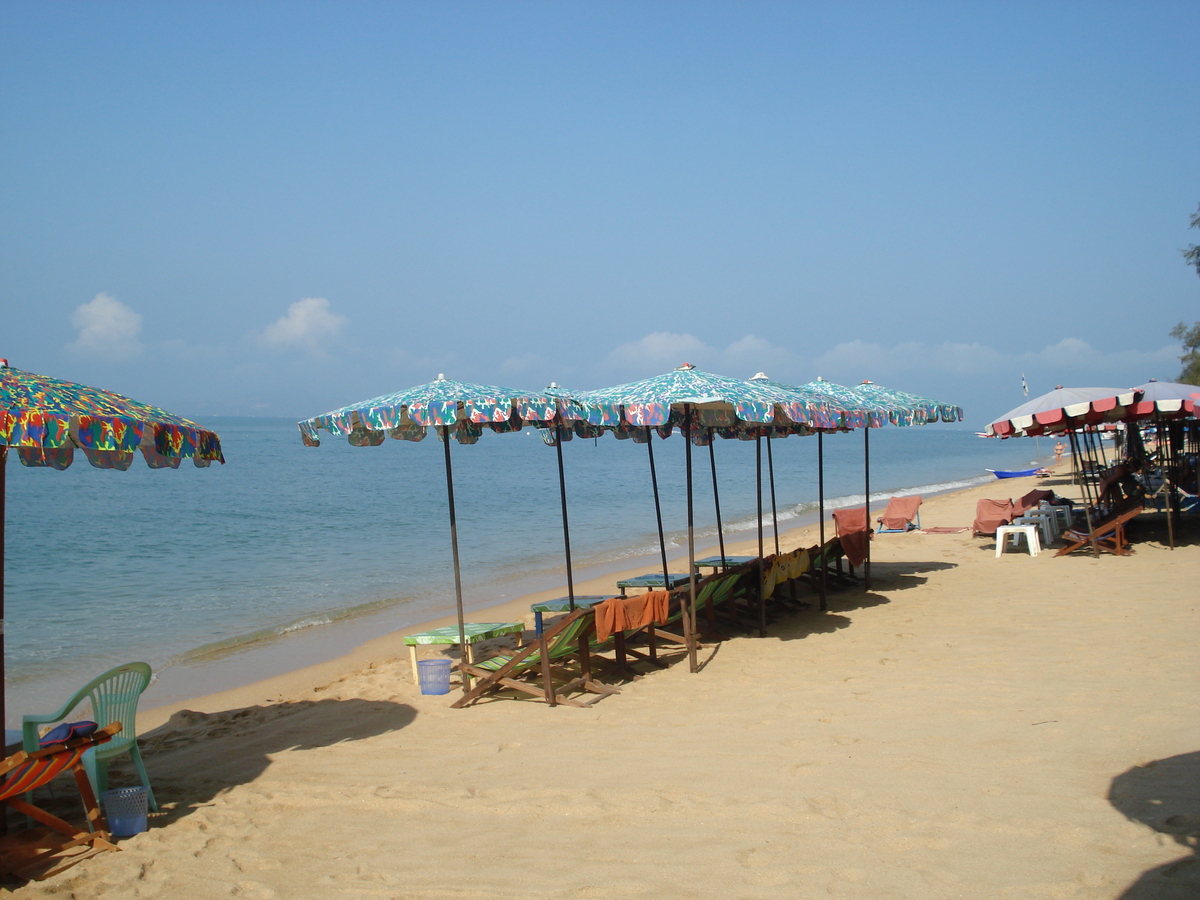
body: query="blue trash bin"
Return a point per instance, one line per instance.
(125, 808)
(434, 676)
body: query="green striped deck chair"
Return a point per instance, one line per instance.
(567, 638)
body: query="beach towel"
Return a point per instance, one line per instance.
(852, 529)
(941, 529)
(900, 512)
(1030, 501)
(991, 514)
(631, 613)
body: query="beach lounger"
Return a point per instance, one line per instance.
(113, 697)
(990, 515)
(23, 772)
(544, 658)
(902, 514)
(1108, 534)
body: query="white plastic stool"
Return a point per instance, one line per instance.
(1004, 532)
(1044, 520)
(1063, 515)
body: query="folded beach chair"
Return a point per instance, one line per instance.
(902, 514)
(1031, 501)
(1108, 533)
(23, 772)
(568, 637)
(851, 525)
(991, 514)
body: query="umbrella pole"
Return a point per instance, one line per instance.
(821, 518)
(3, 711)
(562, 493)
(690, 618)
(662, 543)
(1087, 507)
(867, 503)
(3, 691)
(462, 630)
(771, 479)
(762, 599)
(1164, 464)
(712, 461)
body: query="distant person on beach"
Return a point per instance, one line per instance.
(1059, 449)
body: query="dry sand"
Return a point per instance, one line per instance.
(969, 727)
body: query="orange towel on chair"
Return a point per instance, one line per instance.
(631, 613)
(852, 528)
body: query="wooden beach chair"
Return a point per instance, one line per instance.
(28, 855)
(902, 514)
(544, 658)
(1108, 534)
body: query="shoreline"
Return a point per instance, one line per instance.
(245, 684)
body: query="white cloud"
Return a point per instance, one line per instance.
(659, 352)
(308, 323)
(515, 365)
(107, 328)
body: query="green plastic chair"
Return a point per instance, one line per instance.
(114, 698)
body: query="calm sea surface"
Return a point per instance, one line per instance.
(286, 544)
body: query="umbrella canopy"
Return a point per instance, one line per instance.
(45, 419)
(1167, 398)
(858, 409)
(455, 408)
(910, 409)
(1062, 409)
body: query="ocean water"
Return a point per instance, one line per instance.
(295, 553)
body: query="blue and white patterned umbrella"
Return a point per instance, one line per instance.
(454, 408)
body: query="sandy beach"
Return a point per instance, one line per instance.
(970, 727)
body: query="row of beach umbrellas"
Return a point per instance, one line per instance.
(44, 420)
(700, 405)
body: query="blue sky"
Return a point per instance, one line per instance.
(278, 209)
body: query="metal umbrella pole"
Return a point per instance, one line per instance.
(562, 491)
(771, 479)
(462, 629)
(3, 491)
(662, 542)
(762, 600)
(867, 503)
(1076, 451)
(690, 616)
(821, 519)
(712, 460)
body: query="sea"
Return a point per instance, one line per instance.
(290, 555)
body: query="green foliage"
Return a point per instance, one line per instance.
(1190, 338)
(1192, 254)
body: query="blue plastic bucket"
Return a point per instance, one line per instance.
(434, 676)
(125, 808)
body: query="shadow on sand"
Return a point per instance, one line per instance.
(1164, 795)
(196, 756)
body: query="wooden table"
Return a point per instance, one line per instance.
(474, 631)
(717, 562)
(563, 604)
(653, 580)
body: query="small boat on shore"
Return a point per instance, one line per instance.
(1014, 473)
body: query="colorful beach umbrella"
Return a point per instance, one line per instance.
(699, 404)
(44, 420)
(1064, 409)
(1166, 398)
(910, 409)
(455, 409)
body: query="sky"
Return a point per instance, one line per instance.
(278, 209)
